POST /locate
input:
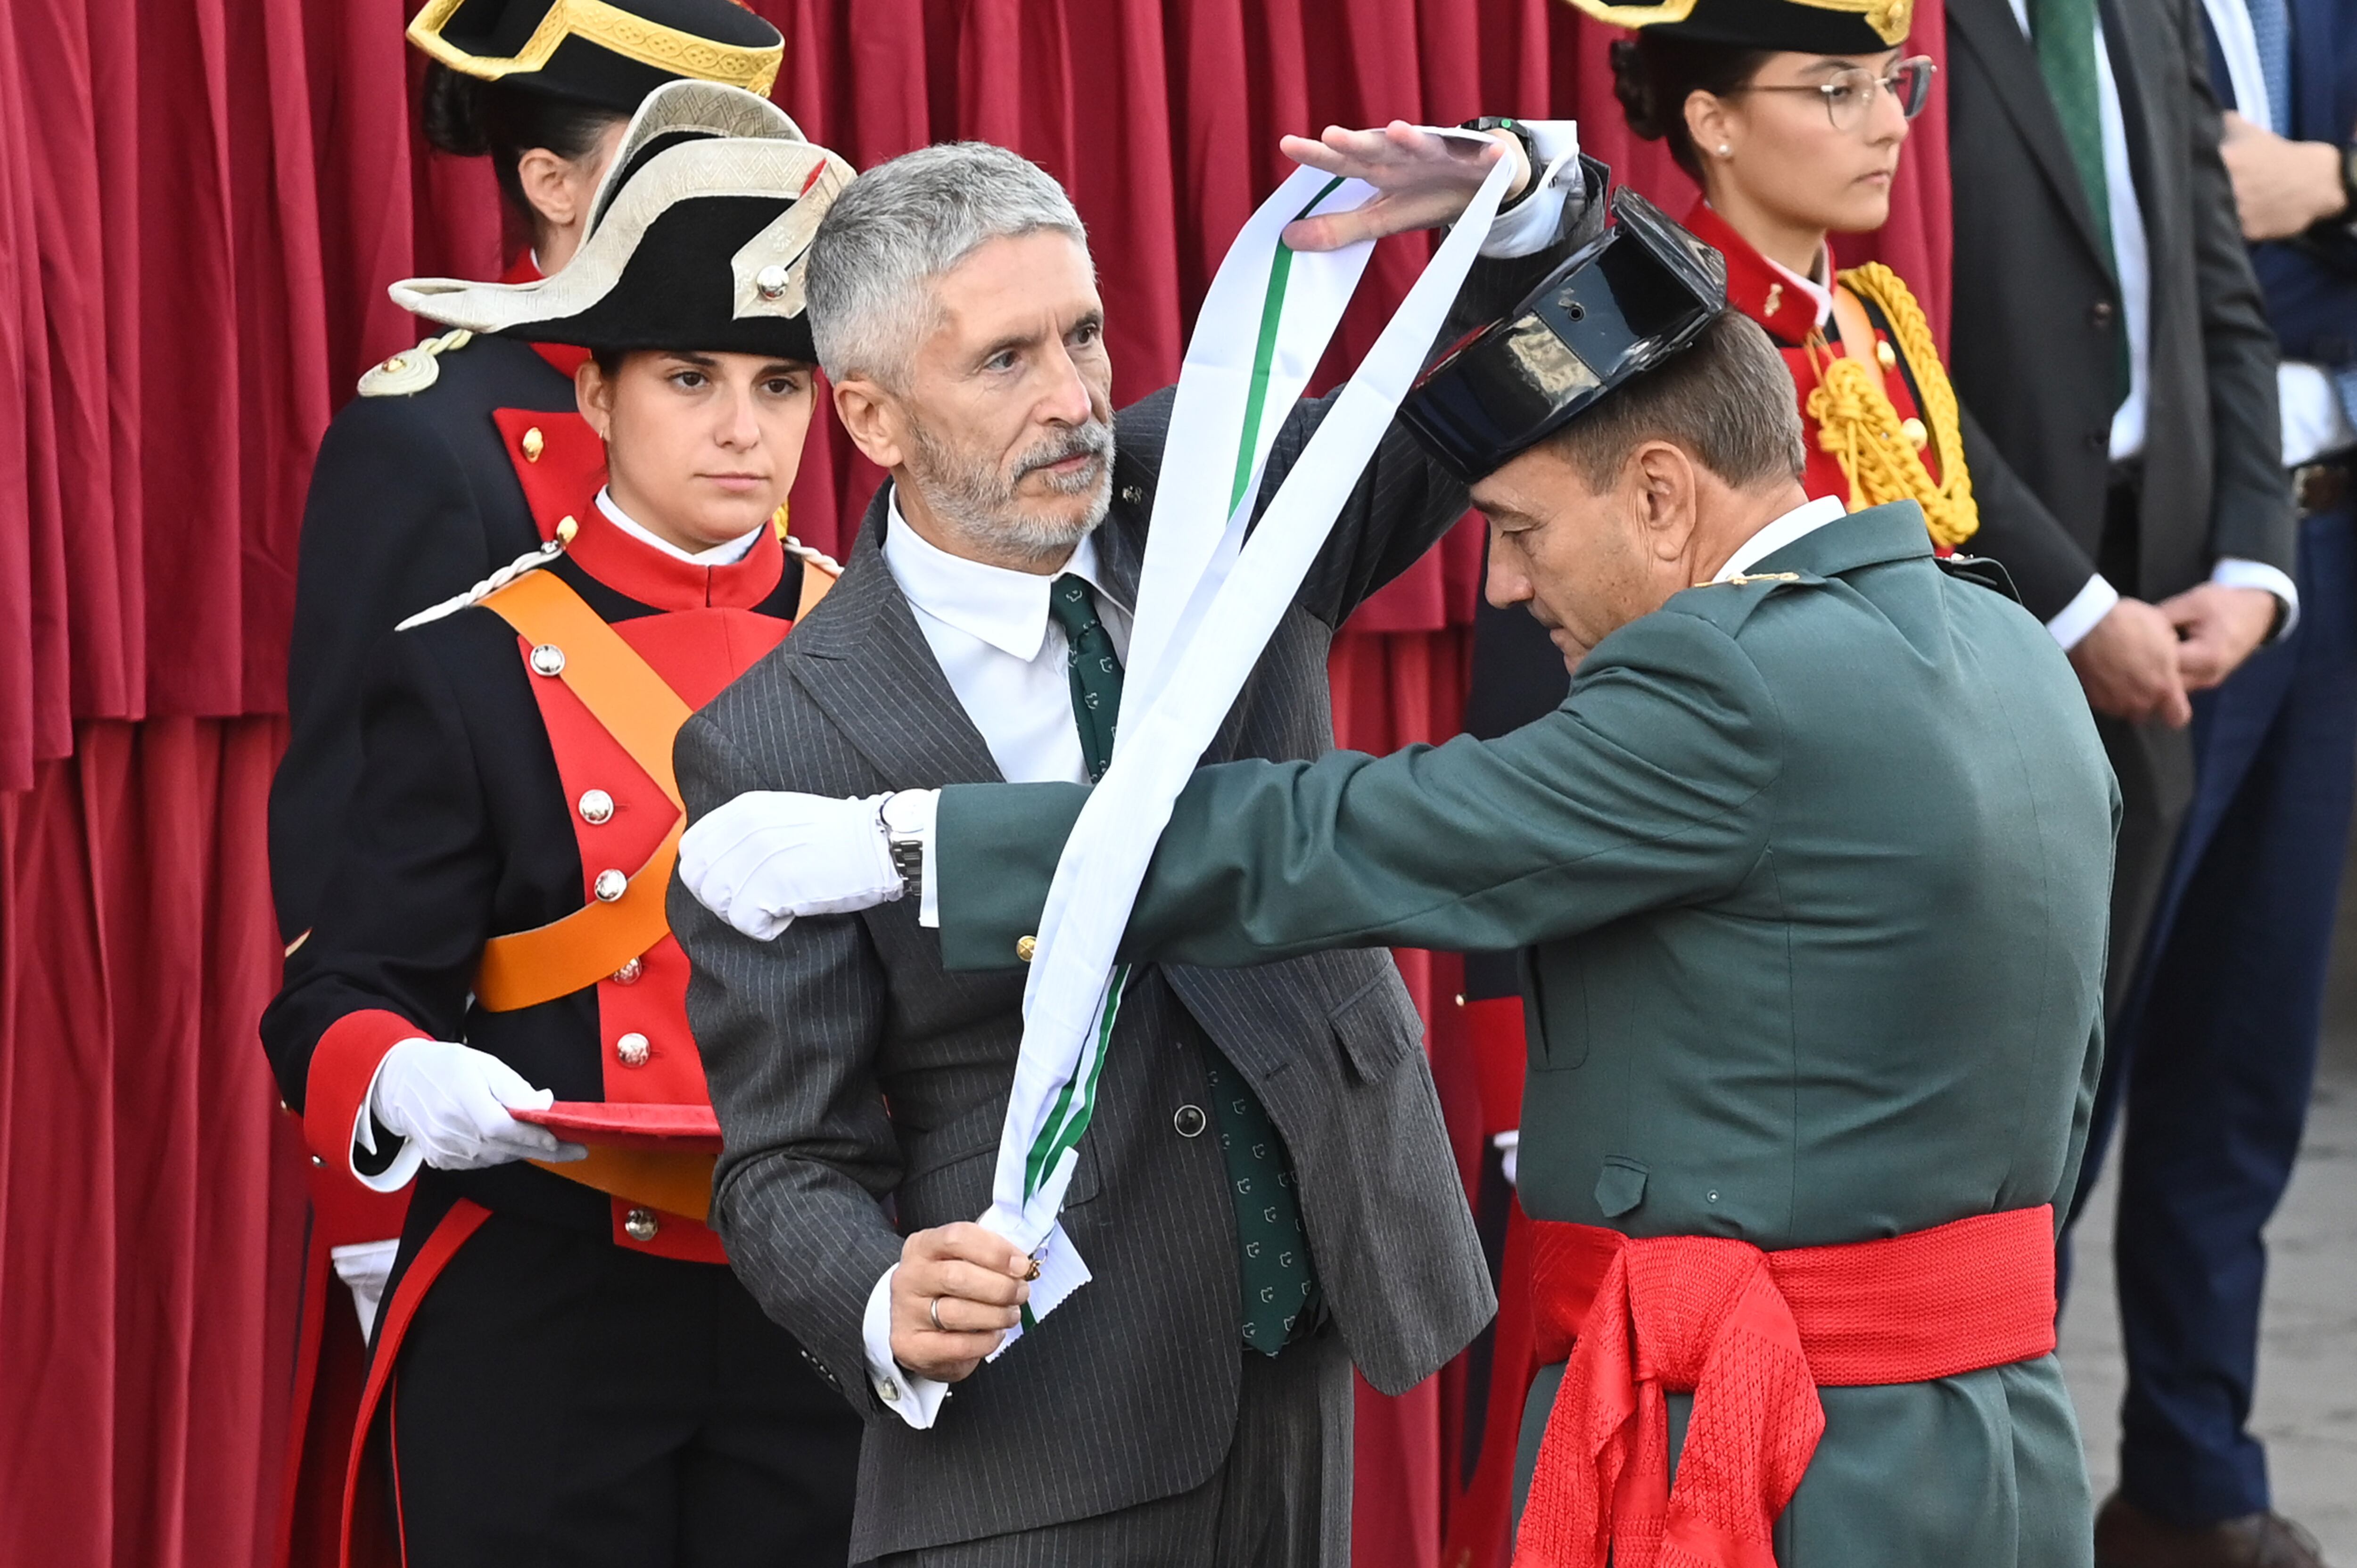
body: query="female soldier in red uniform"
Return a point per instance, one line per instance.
(564, 1368)
(427, 480)
(436, 473)
(1790, 116)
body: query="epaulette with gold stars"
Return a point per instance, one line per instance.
(531, 561)
(413, 369)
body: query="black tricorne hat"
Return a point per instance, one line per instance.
(1628, 298)
(1816, 26)
(696, 241)
(608, 52)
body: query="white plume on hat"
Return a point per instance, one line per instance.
(736, 144)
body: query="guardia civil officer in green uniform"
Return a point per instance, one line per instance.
(1814, 858)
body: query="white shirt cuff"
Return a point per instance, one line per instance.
(914, 1400)
(922, 807)
(1532, 224)
(406, 1162)
(2234, 572)
(2079, 616)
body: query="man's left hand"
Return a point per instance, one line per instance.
(1422, 180)
(2217, 628)
(768, 856)
(2281, 186)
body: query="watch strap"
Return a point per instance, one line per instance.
(1531, 159)
(907, 850)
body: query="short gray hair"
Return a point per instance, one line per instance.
(903, 224)
(1726, 398)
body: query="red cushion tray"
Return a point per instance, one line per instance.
(618, 1125)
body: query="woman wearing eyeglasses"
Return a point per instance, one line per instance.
(1791, 113)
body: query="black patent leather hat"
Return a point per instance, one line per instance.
(1628, 297)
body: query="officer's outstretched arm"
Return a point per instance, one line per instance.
(1653, 784)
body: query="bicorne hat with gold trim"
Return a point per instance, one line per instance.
(610, 52)
(697, 238)
(1816, 26)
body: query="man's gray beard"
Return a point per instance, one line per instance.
(974, 500)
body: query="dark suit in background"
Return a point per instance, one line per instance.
(1108, 1432)
(2218, 1054)
(2036, 337)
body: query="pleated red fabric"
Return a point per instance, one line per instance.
(201, 203)
(150, 1190)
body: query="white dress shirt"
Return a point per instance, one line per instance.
(1802, 520)
(2134, 262)
(2315, 421)
(1002, 655)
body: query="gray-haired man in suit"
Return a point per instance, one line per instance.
(1191, 1404)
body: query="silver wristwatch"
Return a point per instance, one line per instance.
(902, 840)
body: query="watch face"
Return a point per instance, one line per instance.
(897, 814)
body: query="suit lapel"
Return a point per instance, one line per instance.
(1996, 39)
(2121, 41)
(862, 659)
(1121, 551)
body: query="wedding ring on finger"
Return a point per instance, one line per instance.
(936, 1310)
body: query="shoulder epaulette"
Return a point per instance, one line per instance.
(524, 566)
(1981, 569)
(413, 369)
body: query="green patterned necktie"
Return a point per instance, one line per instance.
(1279, 1286)
(2062, 32)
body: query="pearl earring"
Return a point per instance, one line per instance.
(1725, 151)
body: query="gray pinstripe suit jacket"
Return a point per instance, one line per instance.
(860, 1086)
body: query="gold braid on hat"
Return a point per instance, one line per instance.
(1858, 424)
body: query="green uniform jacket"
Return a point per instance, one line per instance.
(1815, 870)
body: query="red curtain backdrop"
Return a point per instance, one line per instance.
(201, 203)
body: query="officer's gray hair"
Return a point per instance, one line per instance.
(903, 224)
(1726, 398)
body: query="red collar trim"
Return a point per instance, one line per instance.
(634, 567)
(1753, 285)
(562, 358)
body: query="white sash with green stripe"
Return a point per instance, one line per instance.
(1208, 600)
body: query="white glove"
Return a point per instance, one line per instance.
(451, 1102)
(768, 856)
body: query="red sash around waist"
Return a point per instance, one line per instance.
(1753, 1336)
